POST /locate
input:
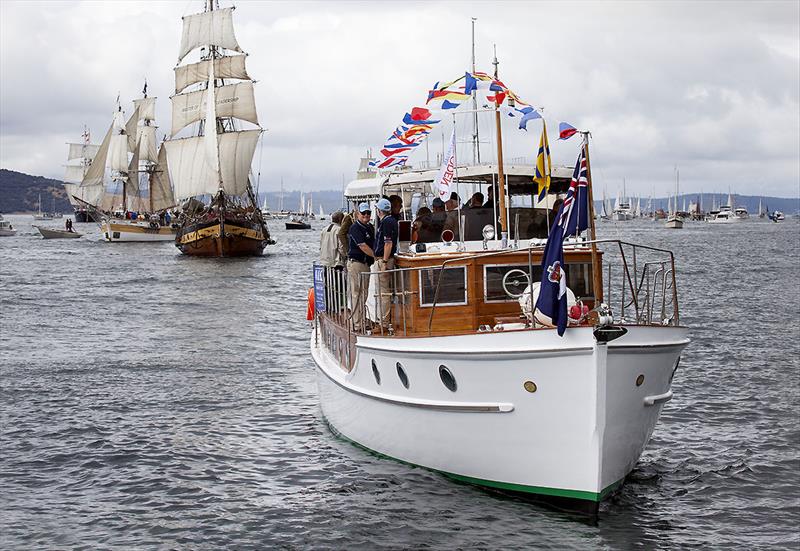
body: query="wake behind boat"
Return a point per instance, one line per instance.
(453, 360)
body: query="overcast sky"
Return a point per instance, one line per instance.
(710, 87)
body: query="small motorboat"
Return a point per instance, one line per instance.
(53, 233)
(298, 224)
(6, 229)
(674, 222)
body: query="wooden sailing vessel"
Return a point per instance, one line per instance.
(211, 168)
(468, 377)
(84, 153)
(129, 195)
(139, 214)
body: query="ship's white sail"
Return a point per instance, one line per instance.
(214, 28)
(130, 129)
(82, 151)
(118, 149)
(146, 137)
(224, 67)
(74, 174)
(219, 155)
(160, 189)
(192, 173)
(232, 100)
(132, 191)
(94, 176)
(146, 108)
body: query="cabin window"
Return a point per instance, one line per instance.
(579, 279)
(375, 372)
(447, 378)
(493, 281)
(452, 289)
(401, 373)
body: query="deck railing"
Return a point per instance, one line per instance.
(639, 285)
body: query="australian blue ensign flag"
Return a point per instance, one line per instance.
(572, 218)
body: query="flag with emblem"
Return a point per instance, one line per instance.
(543, 167)
(572, 218)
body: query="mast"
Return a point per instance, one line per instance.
(501, 190)
(597, 276)
(124, 188)
(476, 148)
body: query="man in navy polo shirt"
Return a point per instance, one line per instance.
(385, 249)
(360, 255)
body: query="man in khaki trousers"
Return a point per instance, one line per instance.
(385, 249)
(360, 256)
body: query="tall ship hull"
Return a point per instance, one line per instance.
(221, 237)
(577, 437)
(130, 231)
(83, 216)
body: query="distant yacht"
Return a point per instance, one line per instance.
(725, 215)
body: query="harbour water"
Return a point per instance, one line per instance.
(148, 399)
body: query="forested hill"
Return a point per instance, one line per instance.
(20, 193)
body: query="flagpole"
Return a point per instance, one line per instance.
(500, 177)
(597, 276)
(456, 182)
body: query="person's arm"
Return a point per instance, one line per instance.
(366, 249)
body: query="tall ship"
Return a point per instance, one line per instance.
(210, 168)
(126, 186)
(79, 159)
(516, 351)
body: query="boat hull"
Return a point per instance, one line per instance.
(674, 223)
(82, 216)
(298, 226)
(574, 438)
(50, 233)
(221, 239)
(5, 232)
(129, 231)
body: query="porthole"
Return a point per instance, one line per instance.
(639, 380)
(447, 378)
(402, 374)
(376, 372)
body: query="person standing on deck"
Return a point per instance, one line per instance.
(397, 207)
(385, 249)
(330, 253)
(360, 255)
(330, 256)
(452, 222)
(344, 229)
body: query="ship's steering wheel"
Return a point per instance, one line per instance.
(512, 280)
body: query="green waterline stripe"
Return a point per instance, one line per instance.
(540, 490)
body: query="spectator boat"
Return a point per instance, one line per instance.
(471, 379)
(54, 233)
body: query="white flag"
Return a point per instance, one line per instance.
(444, 180)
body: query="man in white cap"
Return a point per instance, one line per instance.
(385, 249)
(360, 256)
